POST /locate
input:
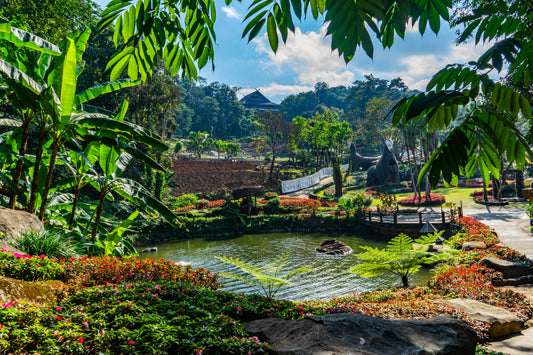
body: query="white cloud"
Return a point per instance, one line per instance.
(417, 70)
(310, 56)
(231, 13)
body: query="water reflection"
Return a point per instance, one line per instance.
(329, 278)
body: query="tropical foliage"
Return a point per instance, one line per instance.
(267, 278)
(40, 82)
(403, 256)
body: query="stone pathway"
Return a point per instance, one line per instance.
(513, 229)
(511, 225)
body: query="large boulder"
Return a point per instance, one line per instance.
(15, 222)
(12, 290)
(509, 269)
(352, 333)
(501, 322)
(334, 247)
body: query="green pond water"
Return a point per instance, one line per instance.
(329, 278)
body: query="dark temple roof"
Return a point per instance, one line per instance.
(258, 101)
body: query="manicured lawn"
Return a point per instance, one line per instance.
(452, 194)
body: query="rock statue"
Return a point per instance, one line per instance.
(334, 247)
(385, 171)
(360, 162)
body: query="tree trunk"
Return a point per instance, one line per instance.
(405, 281)
(99, 210)
(337, 177)
(55, 150)
(22, 152)
(35, 179)
(74, 206)
(519, 182)
(272, 164)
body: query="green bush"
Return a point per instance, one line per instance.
(94, 271)
(29, 268)
(272, 207)
(270, 195)
(184, 201)
(53, 244)
(140, 318)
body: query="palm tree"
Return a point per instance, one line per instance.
(198, 142)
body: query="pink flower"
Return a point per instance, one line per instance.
(239, 308)
(86, 324)
(80, 340)
(131, 342)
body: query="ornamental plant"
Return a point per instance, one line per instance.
(29, 268)
(94, 271)
(402, 256)
(267, 278)
(138, 318)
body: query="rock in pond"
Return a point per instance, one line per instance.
(334, 247)
(149, 250)
(352, 333)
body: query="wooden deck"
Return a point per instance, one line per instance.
(408, 221)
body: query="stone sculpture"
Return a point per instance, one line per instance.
(385, 171)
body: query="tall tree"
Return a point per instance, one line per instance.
(276, 131)
(52, 20)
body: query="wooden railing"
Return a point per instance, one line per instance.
(410, 217)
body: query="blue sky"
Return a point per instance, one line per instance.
(307, 58)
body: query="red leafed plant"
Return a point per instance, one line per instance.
(415, 200)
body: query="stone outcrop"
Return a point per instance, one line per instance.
(12, 290)
(334, 247)
(14, 222)
(352, 333)
(473, 245)
(509, 269)
(385, 172)
(501, 321)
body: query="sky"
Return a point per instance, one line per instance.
(307, 57)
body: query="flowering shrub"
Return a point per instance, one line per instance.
(490, 201)
(92, 271)
(138, 318)
(287, 201)
(415, 200)
(29, 268)
(474, 231)
(480, 193)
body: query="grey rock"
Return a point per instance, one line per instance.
(14, 222)
(352, 333)
(501, 321)
(473, 245)
(149, 250)
(509, 269)
(334, 247)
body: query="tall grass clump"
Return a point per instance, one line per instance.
(42, 242)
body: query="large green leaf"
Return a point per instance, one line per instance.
(138, 195)
(101, 89)
(25, 39)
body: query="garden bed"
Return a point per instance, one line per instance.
(424, 201)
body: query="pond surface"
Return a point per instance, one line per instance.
(329, 277)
